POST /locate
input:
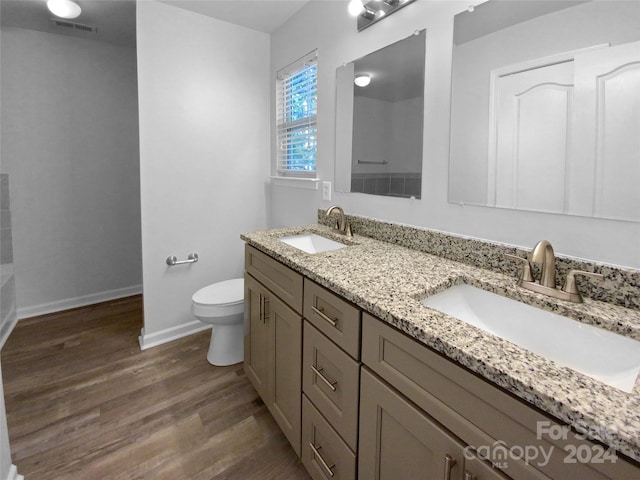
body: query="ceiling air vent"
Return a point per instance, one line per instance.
(75, 26)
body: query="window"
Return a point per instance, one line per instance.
(297, 106)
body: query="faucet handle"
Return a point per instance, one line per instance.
(526, 275)
(570, 285)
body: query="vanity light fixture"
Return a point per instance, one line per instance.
(374, 10)
(356, 7)
(64, 8)
(362, 79)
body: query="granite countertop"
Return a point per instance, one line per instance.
(388, 280)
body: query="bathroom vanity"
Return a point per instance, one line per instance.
(367, 383)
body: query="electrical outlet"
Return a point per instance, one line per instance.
(326, 191)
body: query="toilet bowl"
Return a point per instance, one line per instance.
(222, 305)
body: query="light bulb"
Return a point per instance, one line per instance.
(362, 80)
(64, 8)
(356, 7)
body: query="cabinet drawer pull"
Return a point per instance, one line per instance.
(322, 315)
(316, 452)
(468, 476)
(264, 303)
(261, 308)
(318, 372)
(449, 463)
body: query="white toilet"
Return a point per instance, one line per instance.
(222, 305)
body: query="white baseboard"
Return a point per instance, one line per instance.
(148, 340)
(13, 474)
(60, 305)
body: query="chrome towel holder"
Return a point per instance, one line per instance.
(173, 260)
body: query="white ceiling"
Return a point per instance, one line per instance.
(116, 19)
(263, 15)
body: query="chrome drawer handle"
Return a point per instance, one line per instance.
(322, 315)
(261, 308)
(318, 372)
(266, 304)
(449, 463)
(322, 462)
(468, 476)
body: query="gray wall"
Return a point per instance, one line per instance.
(70, 146)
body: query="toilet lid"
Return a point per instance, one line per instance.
(227, 292)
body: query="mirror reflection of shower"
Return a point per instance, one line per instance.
(379, 121)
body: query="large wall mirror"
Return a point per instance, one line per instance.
(545, 110)
(379, 119)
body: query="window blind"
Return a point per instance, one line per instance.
(297, 108)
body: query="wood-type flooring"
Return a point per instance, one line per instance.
(83, 402)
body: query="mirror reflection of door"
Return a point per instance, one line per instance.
(606, 162)
(532, 132)
(545, 108)
(565, 136)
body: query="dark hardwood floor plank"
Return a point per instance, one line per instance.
(83, 402)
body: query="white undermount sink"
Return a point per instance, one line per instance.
(312, 242)
(608, 357)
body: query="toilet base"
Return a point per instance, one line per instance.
(227, 345)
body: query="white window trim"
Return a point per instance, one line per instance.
(298, 179)
(307, 183)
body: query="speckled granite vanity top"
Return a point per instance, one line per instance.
(387, 281)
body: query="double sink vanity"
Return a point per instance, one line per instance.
(400, 353)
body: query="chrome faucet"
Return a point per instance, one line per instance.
(543, 254)
(341, 226)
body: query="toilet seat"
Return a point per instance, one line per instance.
(219, 299)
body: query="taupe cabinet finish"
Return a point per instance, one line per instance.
(331, 380)
(273, 349)
(405, 414)
(398, 441)
(324, 453)
(333, 316)
(474, 410)
(331, 384)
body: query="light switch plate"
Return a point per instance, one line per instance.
(326, 191)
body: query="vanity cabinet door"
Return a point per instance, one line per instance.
(399, 442)
(273, 356)
(285, 362)
(256, 335)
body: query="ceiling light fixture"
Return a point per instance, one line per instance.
(64, 8)
(362, 79)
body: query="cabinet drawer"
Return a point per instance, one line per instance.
(324, 454)
(475, 410)
(330, 379)
(335, 317)
(281, 280)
